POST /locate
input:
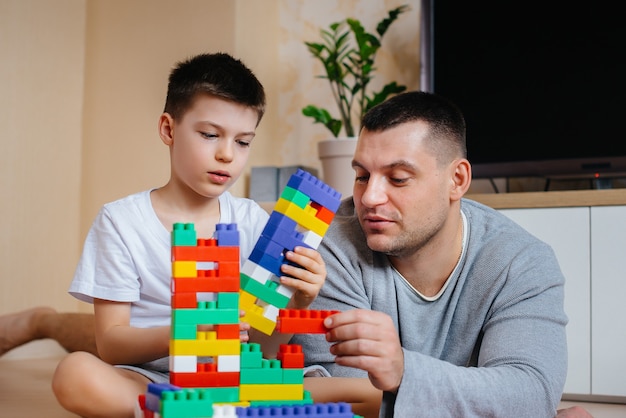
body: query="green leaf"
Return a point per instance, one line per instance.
(322, 116)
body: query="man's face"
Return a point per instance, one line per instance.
(401, 194)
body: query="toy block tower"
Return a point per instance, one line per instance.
(301, 216)
(205, 292)
(212, 374)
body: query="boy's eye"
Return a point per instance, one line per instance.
(208, 135)
(243, 143)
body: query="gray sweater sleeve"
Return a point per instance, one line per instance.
(493, 344)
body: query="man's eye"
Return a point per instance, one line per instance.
(397, 180)
(361, 179)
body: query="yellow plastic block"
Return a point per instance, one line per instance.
(184, 269)
(246, 300)
(260, 392)
(305, 218)
(206, 348)
(258, 321)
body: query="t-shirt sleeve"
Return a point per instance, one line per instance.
(105, 269)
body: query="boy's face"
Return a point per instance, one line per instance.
(210, 145)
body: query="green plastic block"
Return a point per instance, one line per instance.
(184, 235)
(296, 197)
(251, 356)
(267, 293)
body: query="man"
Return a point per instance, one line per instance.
(448, 307)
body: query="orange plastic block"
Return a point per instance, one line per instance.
(302, 321)
(291, 356)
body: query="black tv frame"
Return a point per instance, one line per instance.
(568, 162)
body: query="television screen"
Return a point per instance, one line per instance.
(541, 84)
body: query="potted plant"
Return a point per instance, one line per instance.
(347, 53)
(349, 69)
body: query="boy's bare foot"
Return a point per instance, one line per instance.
(20, 327)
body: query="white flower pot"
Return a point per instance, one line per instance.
(336, 158)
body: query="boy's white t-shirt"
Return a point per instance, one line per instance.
(127, 254)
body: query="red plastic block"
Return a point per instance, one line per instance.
(302, 321)
(291, 356)
(227, 331)
(207, 281)
(206, 250)
(205, 379)
(323, 213)
(184, 300)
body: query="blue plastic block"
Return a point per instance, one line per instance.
(268, 255)
(227, 235)
(283, 234)
(316, 189)
(317, 410)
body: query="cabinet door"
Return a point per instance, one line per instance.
(608, 293)
(567, 231)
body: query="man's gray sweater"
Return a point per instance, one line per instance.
(492, 345)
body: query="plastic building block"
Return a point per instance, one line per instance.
(207, 347)
(316, 189)
(296, 321)
(306, 218)
(318, 410)
(291, 356)
(266, 292)
(227, 234)
(251, 356)
(270, 372)
(270, 392)
(183, 234)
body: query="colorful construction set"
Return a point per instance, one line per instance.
(213, 374)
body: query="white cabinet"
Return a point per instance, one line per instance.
(567, 231)
(608, 300)
(590, 244)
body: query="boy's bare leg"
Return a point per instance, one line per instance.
(73, 331)
(89, 387)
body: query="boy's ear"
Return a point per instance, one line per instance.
(166, 129)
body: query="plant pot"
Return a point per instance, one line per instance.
(336, 158)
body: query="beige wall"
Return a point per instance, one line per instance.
(41, 94)
(83, 83)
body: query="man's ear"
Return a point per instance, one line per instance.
(461, 178)
(166, 129)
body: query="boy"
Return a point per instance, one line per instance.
(214, 104)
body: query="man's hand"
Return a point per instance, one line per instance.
(573, 412)
(367, 340)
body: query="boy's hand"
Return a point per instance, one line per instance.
(306, 280)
